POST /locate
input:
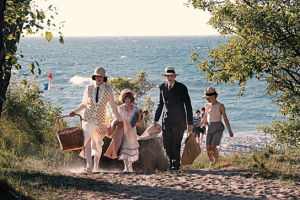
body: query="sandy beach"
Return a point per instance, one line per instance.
(210, 183)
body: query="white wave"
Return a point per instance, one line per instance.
(15, 71)
(123, 56)
(78, 80)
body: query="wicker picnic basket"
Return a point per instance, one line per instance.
(70, 138)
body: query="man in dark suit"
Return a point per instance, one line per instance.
(175, 103)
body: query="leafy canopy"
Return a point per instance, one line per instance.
(24, 17)
(263, 43)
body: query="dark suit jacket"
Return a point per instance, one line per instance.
(178, 104)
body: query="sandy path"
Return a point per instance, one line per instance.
(188, 184)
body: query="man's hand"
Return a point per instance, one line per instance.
(120, 124)
(190, 128)
(72, 114)
(155, 123)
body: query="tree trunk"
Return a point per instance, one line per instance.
(5, 70)
(3, 83)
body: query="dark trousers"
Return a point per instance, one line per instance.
(172, 143)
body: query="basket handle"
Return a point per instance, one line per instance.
(68, 116)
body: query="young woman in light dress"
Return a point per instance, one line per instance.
(130, 114)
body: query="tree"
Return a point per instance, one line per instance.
(2, 51)
(263, 43)
(140, 85)
(19, 17)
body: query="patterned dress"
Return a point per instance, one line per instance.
(130, 149)
(96, 113)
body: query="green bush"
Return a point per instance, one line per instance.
(28, 127)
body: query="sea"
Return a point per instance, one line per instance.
(71, 65)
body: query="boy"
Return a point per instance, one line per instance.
(214, 111)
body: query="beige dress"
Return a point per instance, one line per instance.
(130, 145)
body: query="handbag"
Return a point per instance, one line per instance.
(191, 150)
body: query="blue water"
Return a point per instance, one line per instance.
(72, 64)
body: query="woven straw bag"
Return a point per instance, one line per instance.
(70, 138)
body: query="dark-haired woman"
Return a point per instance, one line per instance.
(94, 103)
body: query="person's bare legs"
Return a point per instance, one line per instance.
(130, 167)
(88, 155)
(211, 152)
(197, 139)
(216, 154)
(96, 163)
(201, 137)
(97, 155)
(125, 165)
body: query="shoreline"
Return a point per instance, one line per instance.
(236, 144)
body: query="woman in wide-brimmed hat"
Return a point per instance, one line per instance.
(94, 103)
(214, 111)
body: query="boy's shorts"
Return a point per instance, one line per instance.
(214, 133)
(214, 138)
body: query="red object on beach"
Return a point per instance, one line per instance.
(50, 75)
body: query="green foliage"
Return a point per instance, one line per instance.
(28, 127)
(24, 17)
(148, 104)
(286, 133)
(140, 85)
(263, 43)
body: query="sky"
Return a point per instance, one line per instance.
(130, 18)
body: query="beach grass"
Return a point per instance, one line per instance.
(268, 163)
